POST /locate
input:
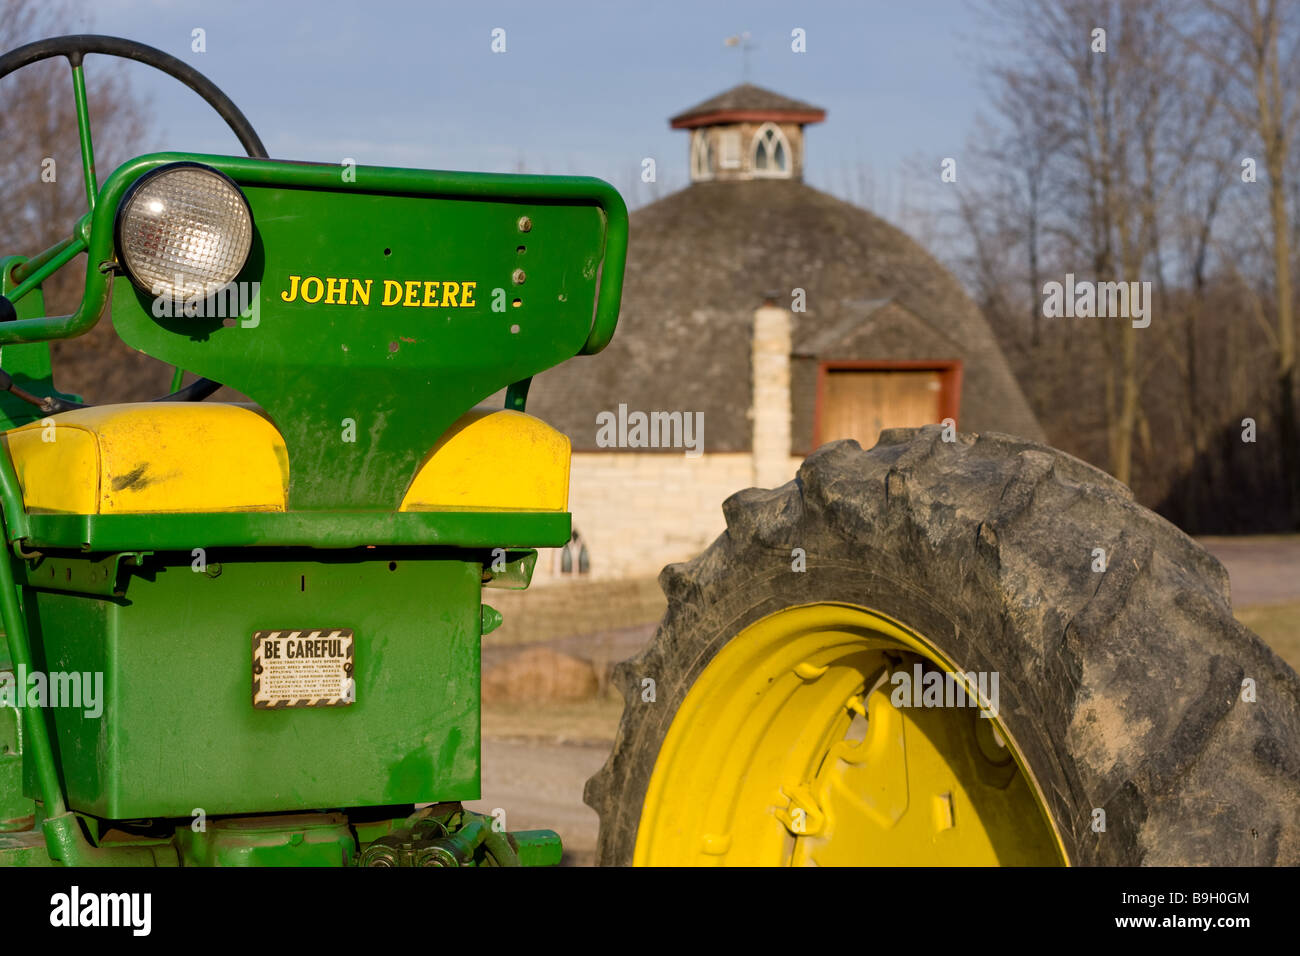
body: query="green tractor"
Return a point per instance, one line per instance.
(242, 634)
(246, 634)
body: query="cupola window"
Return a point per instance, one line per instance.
(701, 155)
(729, 140)
(771, 152)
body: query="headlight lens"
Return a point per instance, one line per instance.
(184, 231)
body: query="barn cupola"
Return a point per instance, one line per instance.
(747, 133)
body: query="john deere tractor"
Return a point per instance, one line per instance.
(249, 634)
(283, 601)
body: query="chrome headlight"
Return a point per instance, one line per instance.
(183, 231)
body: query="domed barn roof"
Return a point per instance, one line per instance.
(701, 260)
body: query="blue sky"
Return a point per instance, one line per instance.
(584, 87)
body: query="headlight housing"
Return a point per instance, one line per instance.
(183, 231)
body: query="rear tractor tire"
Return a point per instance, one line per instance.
(971, 652)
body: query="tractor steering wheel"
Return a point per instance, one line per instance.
(74, 48)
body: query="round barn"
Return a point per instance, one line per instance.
(761, 318)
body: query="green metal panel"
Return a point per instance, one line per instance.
(537, 847)
(28, 365)
(84, 576)
(183, 532)
(16, 809)
(24, 849)
(317, 839)
(179, 730)
(394, 302)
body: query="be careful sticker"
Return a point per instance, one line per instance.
(303, 668)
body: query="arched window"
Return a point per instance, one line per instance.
(701, 155)
(574, 557)
(771, 152)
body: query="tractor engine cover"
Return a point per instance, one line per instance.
(189, 719)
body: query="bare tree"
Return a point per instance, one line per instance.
(1256, 43)
(43, 189)
(1117, 153)
(1088, 111)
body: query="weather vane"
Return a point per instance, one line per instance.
(745, 42)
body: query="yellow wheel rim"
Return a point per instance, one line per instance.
(788, 750)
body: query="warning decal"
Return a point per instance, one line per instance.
(303, 668)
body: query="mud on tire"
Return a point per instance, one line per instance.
(1123, 689)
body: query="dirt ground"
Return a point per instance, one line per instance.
(1265, 577)
(1263, 570)
(539, 785)
(536, 759)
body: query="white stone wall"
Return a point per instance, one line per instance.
(639, 511)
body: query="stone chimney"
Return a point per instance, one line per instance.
(771, 409)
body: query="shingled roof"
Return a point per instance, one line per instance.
(748, 101)
(699, 262)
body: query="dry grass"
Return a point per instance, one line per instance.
(1279, 627)
(585, 722)
(569, 608)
